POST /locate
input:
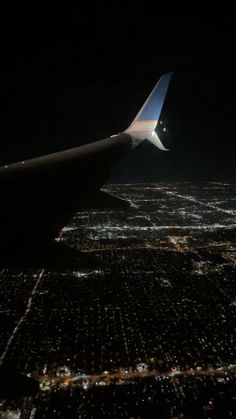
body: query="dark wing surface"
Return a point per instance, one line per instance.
(41, 195)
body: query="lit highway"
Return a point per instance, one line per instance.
(125, 377)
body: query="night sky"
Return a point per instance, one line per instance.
(72, 77)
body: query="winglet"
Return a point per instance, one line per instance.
(145, 122)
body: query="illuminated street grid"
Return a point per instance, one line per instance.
(159, 306)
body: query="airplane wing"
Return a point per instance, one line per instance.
(40, 196)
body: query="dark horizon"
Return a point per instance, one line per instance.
(85, 77)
